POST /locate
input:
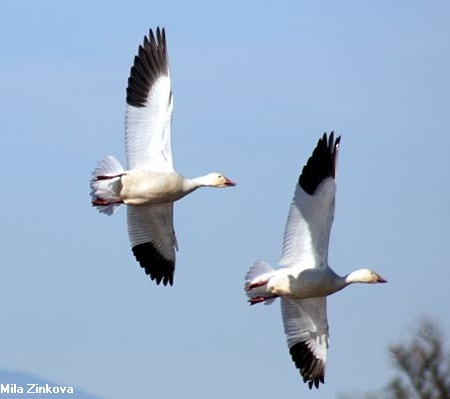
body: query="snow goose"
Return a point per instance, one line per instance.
(150, 185)
(305, 279)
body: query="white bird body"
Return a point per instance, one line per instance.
(147, 187)
(150, 185)
(300, 284)
(305, 279)
(296, 283)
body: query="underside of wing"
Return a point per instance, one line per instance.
(153, 240)
(306, 330)
(311, 213)
(149, 107)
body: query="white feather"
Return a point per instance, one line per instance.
(108, 189)
(147, 130)
(307, 232)
(153, 224)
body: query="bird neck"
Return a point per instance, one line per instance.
(353, 277)
(190, 185)
(201, 181)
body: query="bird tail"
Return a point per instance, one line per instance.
(106, 185)
(256, 281)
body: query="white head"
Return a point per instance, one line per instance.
(364, 276)
(216, 180)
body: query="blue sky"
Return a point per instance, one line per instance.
(255, 85)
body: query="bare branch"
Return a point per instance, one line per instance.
(423, 366)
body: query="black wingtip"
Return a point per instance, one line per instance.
(321, 164)
(151, 62)
(311, 368)
(154, 264)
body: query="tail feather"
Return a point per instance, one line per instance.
(258, 272)
(256, 283)
(105, 185)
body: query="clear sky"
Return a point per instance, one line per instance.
(255, 85)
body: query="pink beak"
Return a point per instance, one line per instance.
(230, 183)
(381, 280)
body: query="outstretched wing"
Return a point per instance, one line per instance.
(311, 213)
(153, 240)
(306, 329)
(149, 107)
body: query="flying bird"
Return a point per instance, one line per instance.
(149, 185)
(305, 279)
